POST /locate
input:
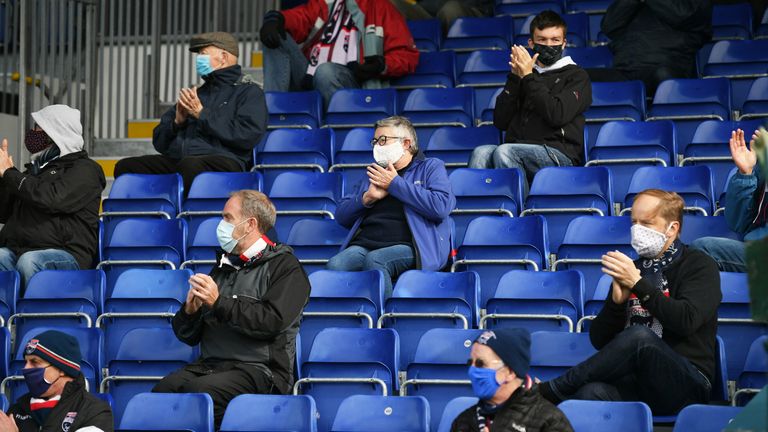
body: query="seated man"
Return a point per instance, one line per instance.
(498, 369)
(344, 44)
(447, 11)
(745, 207)
(211, 128)
(398, 219)
(542, 105)
(656, 331)
(51, 210)
(57, 398)
(245, 315)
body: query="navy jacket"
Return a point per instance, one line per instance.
(233, 119)
(425, 191)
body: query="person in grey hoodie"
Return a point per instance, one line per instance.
(51, 209)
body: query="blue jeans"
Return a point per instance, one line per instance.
(32, 262)
(636, 365)
(286, 66)
(530, 158)
(729, 254)
(392, 260)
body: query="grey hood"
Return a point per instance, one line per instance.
(62, 124)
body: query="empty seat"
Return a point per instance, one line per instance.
(704, 418)
(454, 145)
(485, 68)
(756, 102)
(470, 34)
(367, 413)
(553, 353)
(301, 195)
(168, 412)
(139, 195)
(731, 21)
(752, 378)
(315, 241)
(693, 184)
(9, 292)
(429, 107)
(697, 226)
(601, 416)
(741, 61)
(452, 410)
(270, 413)
(611, 101)
(202, 245)
(294, 109)
(210, 191)
(594, 298)
(435, 69)
(288, 150)
(350, 108)
(354, 155)
(427, 34)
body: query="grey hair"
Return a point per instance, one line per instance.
(254, 204)
(404, 126)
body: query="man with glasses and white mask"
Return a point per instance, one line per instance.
(398, 218)
(498, 368)
(656, 331)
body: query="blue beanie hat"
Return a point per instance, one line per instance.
(512, 345)
(59, 349)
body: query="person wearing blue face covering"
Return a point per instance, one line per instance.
(498, 369)
(57, 398)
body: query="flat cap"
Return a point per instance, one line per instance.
(222, 40)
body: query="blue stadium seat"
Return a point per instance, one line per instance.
(752, 378)
(555, 298)
(454, 145)
(143, 195)
(5, 353)
(439, 369)
(704, 418)
(723, 192)
(59, 298)
(368, 413)
(731, 21)
(611, 101)
(300, 195)
(291, 150)
(626, 145)
(484, 191)
(210, 191)
(347, 361)
(452, 410)
(591, 57)
(9, 293)
(601, 416)
(697, 226)
(594, 298)
(430, 108)
(427, 34)
(485, 112)
(352, 158)
(294, 109)
(494, 245)
(435, 69)
(756, 102)
(470, 34)
(424, 300)
(270, 413)
(168, 412)
(485, 68)
(741, 62)
(525, 8)
(562, 193)
(144, 357)
(202, 245)
(554, 352)
(762, 29)
(315, 241)
(692, 183)
(350, 108)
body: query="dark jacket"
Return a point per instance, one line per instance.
(233, 119)
(58, 208)
(76, 409)
(425, 191)
(253, 324)
(546, 109)
(649, 34)
(742, 202)
(688, 315)
(525, 410)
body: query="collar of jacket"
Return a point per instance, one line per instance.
(62, 159)
(229, 75)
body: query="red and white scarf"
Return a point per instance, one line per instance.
(338, 41)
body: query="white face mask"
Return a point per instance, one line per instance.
(386, 154)
(647, 242)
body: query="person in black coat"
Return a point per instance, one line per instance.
(656, 331)
(211, 128)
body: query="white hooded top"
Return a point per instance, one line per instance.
(62, 124)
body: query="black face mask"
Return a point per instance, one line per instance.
(548, 54)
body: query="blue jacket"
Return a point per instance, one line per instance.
(742, 203)
(425, 191)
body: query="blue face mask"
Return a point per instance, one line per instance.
(35, 379)
(484, 383)
(203, 64)
(224, 235)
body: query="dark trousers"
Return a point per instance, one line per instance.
(650, 77)
(188, 167)
(636, 365)
(221, 386)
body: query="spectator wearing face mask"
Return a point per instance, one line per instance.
(542, 106)
(51, 209)
(398, 218)
(211, 128)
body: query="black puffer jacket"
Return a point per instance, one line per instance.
(253, 324)
(647, 34)
(58, 208)
(233, 119)
(77, 409)
(546, 109)
(525, 411)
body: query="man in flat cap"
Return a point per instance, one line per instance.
(211, 128)
(57, 398)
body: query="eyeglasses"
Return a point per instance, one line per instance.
(480, 363)
(382, 140)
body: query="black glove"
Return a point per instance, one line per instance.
(373, 67)
(272, 29)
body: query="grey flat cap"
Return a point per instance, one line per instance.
(222, 40)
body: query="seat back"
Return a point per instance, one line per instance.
(601, 416)
(553, 352)
(315, 241)
(431, 107)
(454, 145)
(705, 418)
(624, 100)
(9, 292)
(731, 21)
(294, 109)
(366, 413)
(485, 68)
(210, 190)
(270, 413)
(169, 412)
(590, 57)
(734, 58)
(427, 34)
(692, 183)
(155, 195)
(469, 34)
(350, 108)
(753, 375)
(452, 410)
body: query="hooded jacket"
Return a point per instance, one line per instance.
(253, 324)
(425, 191)
(233, 119)
(546, 108)
(57, 206)
(76, 409)
(742, 202)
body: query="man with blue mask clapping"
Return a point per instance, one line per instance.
(498, 368)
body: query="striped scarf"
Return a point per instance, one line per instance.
(41, 408)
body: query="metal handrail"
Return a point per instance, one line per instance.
(367, 316)
(406, 383)
(106, 315)
(452, 315)
(376, 381)
(494, 261)
(563, 210)
(12, 318)
(557, 317)
(135, 262)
